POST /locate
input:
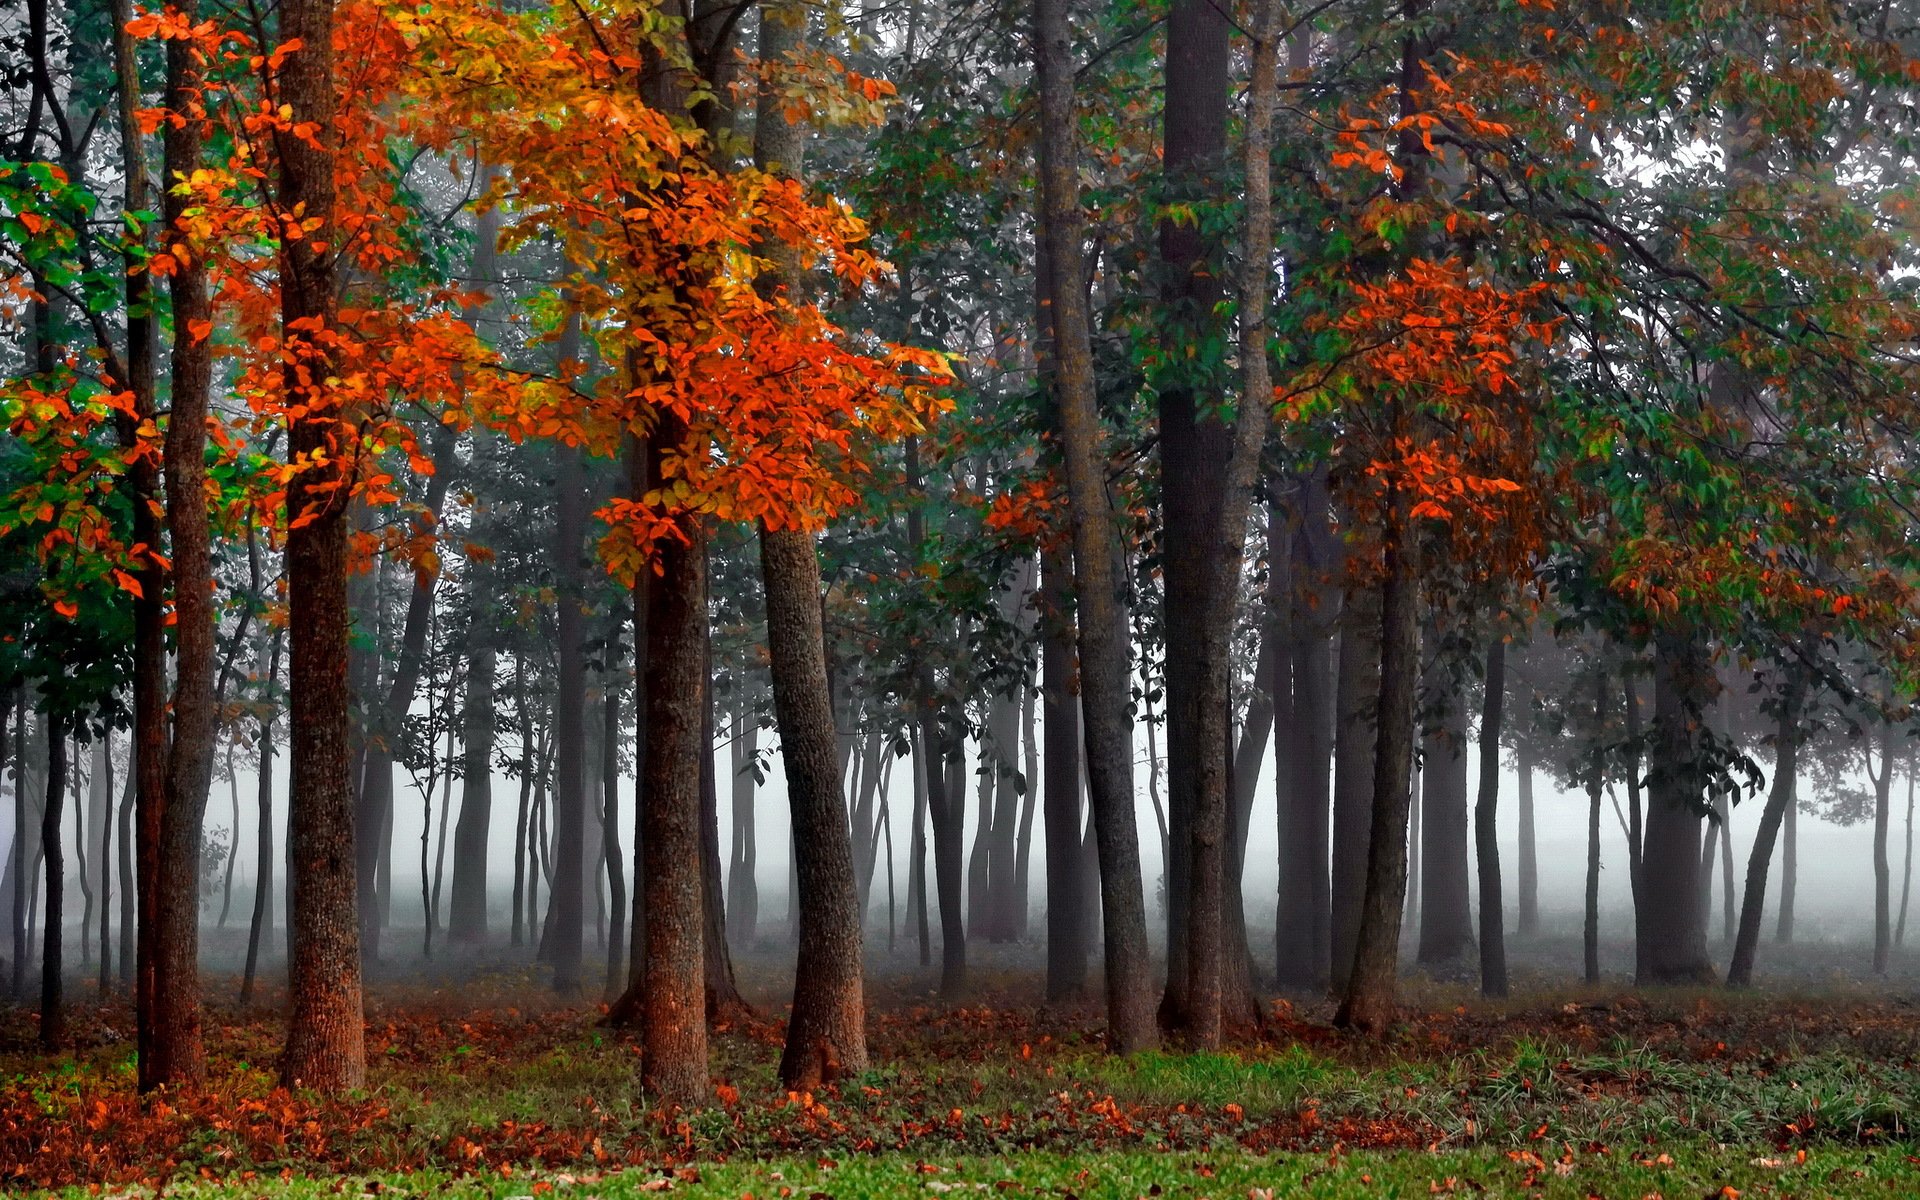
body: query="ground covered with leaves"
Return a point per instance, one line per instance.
(484, 1087)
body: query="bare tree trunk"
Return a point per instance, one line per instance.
(1636, 824)
(568, 899)
(52, 1011)
(917, 867)
(1590, 930)
(521, 827)
(1102, 637)
(723, 1000)
(1729, 909)
(103, 831)
(743, 890)
(1493, 936)
(326, 1048)
(1882, 789)
(1019, 902)
(1303, 745)
(1789, 873)
(263, 876)
(1528, 867)
(617, 903)
(826, 1036)
(233, 840)
(1780, 801)
(22, 820)
(1906, 873)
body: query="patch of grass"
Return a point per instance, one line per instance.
(1691, 1171)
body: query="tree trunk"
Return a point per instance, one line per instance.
(1446, 909)
(1493, 935)
(1020, 902)
(174, 1054)
(946, 805)
(1789, 872)
(917, 868)
(1102, 638)
(1528, 867)
(326, 1048)
(103, 833)
(743, 890)
(52, 1011)
(673, 973)
(1356, 698)
(263, 876)
(128, 890)
(1590, 929)
(22, 820)
(1729, 918)
(568, 898)
(1368, 1004)
(1636, 825)
(723, 1000)
(1780, 801)
(1671, 933)
(1882, 790)
(1907, 870)
(618, 905)
(1304, 745)
(520, 825)
(233, 842)
(826, 1035)
(467, 906)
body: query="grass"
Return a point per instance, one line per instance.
(1677, 1095)
(1692, 1171)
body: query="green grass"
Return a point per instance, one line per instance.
(1690, 1171)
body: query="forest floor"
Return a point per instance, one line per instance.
(480, 1083)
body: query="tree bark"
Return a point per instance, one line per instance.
(1303, 747)
(1527, 870)
(618, 905)
(1446, 910)
(1357, 693)
(1671, 934)
(1882, 876)
(1368, 1004)
(467, 906)
(263, 876)
(568, 896)
(1590, 929)
(326, 1048)
(826, 1035)
(1102, 638)
(174, 1054)
(743, 890)
(1493, 935)
(1789, 872)
(1780, 801)
(520, 826)
(723, 999)
(1906, 871)
(673, 972)
(52, 1011)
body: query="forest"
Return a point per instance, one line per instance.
(1373, 545)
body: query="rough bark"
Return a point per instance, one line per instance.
(1780, 801)
(673, 971)
(1486, 807)
(1102, 638)
(826, 1035)
(326, 1048)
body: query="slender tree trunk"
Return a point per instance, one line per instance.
(1882, 790)
(82, 816)
(1020, 902)
(723, 1000)
(233, 840)
(1729, 909)
(1636, 824)
(1102, 636)
(1356, 699)
(743, 890)
(326, 1048)
(569, 729)
(1780, 801)
(617, 903)
(1906, 872)
(1493, 936)
(263, 876)
(128, 891)
(1303, 747)
(1528, 867)
(1368, 1004)
(917, 868)
(175, 1054)
(103, 821)
(22, 820)
(1789, 872)
(467, 906)
(1590, 929)
(826, 1035)
(946, 812)
(52, 1010)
